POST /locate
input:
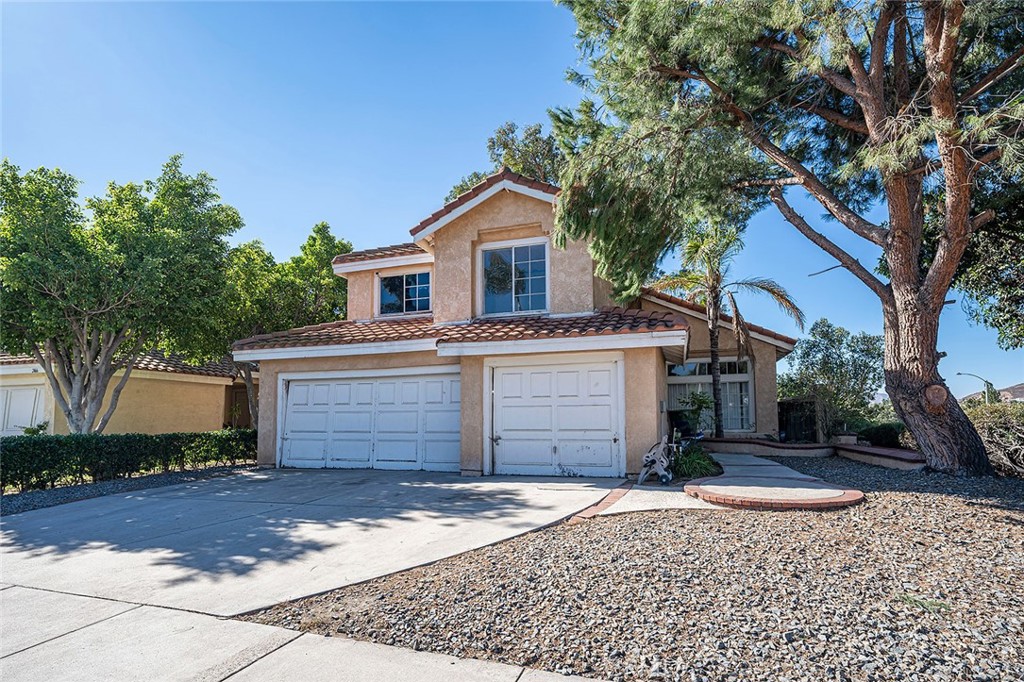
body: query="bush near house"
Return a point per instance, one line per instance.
(693, 462)
(44, 461)
(1001, 427)
(885, 435)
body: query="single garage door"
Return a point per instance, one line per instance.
(21, 406)
(561, 420)
(394, 422)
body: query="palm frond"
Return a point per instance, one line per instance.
(778, 293)
(739, 326)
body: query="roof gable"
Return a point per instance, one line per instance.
(502, 180)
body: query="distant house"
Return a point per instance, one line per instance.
(162, 395)
(481, 347)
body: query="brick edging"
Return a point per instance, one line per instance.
(847, 498)
(613, 496)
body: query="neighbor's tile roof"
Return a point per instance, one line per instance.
(466, 197)
(603, 322)
(153, 362)
(697, 308)
(408, 249)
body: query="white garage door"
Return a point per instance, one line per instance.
(394, 422)
(21, 406)
(561, 420)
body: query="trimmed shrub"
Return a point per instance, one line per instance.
(693, 462)
(39, 462)
(1001, 427)
(885, 435)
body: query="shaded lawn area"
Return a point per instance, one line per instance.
(923, 581)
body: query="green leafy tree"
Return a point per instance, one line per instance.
(703, 278)
(87, 297)
(531, 153)
(320, 295)
(841, 370)
(709, 111)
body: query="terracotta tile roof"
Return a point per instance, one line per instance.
(697, 308)
(602, 322)
(466, 197)
(344, 332)
(8, 359)
(407, 249)
(153, 362)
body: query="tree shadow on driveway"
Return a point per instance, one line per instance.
(231, 544)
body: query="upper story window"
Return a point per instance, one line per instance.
(401, 294)
(515, 278)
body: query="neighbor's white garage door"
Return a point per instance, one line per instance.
(394, 422)
(21, 406)
(560, 419)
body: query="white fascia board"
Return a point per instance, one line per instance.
(484, 196)
(728, 325)
(336, 351)
(343, 269)
(565, 344)
(21, 369)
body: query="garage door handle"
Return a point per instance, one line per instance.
(495, 439)
(615, 439)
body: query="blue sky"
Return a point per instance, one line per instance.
(360, 114)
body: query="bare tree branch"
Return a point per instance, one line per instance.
(1008, 65)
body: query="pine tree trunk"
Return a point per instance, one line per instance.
(920, 397)
(716, 372)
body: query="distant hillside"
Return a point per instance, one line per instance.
(1010, 393)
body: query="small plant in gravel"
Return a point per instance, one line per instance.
(693, 462)
(932, 606)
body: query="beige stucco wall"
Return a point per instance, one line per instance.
(507, 215)
(473, 401)
(362, 289)
(645, 388)
(764, 356)
(270, 369)
(153, 404)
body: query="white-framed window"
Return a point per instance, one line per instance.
(737, 391)
(403, 294)
(513, 277)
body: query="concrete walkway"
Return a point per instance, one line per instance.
(749, 482)
(746, 482)
(55, 636)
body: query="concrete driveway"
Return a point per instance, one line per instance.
(228, 546)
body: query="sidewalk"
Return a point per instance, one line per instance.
(48, 635)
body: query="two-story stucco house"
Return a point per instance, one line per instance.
(480, 347)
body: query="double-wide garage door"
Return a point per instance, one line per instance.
(394, 422)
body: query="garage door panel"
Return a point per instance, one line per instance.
(352, 450)
(308, 422)
(558, 419)
(584, 417)
(406, 422)
(20, 407)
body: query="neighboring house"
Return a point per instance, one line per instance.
(480, 347)
(162, 395)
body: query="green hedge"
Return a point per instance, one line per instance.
(39, 462)
(886, 435)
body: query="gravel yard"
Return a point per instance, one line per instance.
(924, 581)
(16, 503)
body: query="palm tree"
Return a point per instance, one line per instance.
(702, 279)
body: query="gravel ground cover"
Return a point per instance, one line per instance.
(924, 581)
(15, 503)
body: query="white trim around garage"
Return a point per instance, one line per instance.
(566, 344)
(507, 185)
(22, 368)
(284, 378)
(336, 350)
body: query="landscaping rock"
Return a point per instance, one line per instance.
(924, 581)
